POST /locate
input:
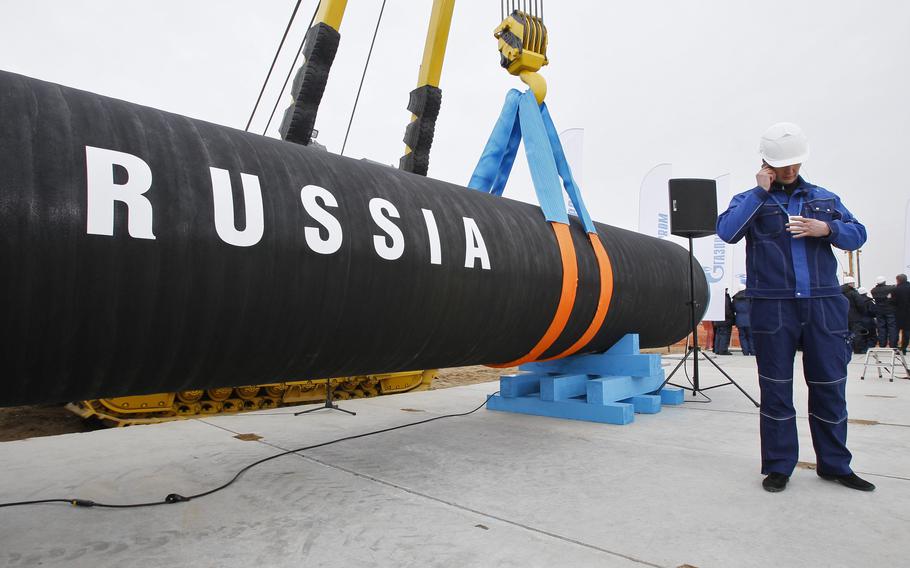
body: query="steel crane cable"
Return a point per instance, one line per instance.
(272, 66)
(291, 70)
(533, 7)
(362, 77)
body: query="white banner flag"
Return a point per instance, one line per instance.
(654, 204)
(713, 255)
(573, 144)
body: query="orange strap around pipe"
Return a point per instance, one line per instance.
(603, 303)
(566, 298)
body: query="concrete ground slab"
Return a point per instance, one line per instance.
(488, 489)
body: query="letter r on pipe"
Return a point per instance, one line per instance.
(102, 192)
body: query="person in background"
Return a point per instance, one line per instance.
(901, 297)
(848, 285)
(869, 336)
(723, 329)
(884, 313)
(855, 314)
(741, 306)
(790, 226)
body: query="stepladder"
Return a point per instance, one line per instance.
(885, 360)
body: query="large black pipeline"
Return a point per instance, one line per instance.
(143, 251)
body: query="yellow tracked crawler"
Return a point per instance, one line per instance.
(154, 408)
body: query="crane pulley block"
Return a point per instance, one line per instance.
(523, 49)
(522, 42)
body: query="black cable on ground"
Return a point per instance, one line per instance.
(272, 66)
(362, 77)
(291, 70)
(177, 498)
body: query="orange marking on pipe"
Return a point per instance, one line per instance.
(603, 303)
(566, 298)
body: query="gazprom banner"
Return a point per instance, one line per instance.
(735, 254)
(713, 255)
(711, 252)
(654, 204)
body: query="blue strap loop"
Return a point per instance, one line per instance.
(522, 118)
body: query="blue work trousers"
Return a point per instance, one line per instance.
(722, 333)
(887, 330)
(860, 337)
(745, 340)
(871, 333)
(820, 326)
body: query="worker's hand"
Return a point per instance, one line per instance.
(803, 227)
(765, 177)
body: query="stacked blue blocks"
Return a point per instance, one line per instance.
(609, 387)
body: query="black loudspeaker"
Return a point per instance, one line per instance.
(693, 207)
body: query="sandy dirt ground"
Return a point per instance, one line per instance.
(20, 422)
(460, 376)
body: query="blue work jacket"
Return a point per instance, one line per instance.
(777, 265)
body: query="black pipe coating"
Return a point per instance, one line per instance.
(123, 270)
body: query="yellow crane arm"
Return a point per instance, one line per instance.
(425, 100)
(331, 13)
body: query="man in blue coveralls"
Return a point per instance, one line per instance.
(791, 276)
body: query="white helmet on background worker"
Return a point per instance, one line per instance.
(850, 280)
(862, 290)
(784, 144)
(879, 279)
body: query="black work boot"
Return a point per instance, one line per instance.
(850, 480)
(775, 482)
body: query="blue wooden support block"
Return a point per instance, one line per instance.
(611, 389)
(628, 345)
(603, 364)
(511, 386)
(672, 395)
(608, 387)
(613, 413)
(645, 403)
(562, 387)
(621, 359)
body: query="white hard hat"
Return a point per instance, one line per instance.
(849, 280)
(879, 279)
(862, 290)
(784, 144)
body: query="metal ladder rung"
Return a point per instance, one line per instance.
(878, 363)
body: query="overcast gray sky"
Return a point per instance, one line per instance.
(692, 83)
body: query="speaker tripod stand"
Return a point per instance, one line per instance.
(329, 403)
(695, 350)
